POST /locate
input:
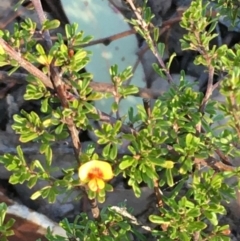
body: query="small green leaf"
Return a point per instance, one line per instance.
(47, 123)
(45, 191)
(59, 129)
(50, 24)
(127, 162)
(36, 195)
(8, 225)
(113, 71)
(114, 232)
(183, 236)
(28, 137)
(170, 60)
(161, 49)
(128, 90)
(14, 179)
(212, 217)
(158, 220)
(32, 181)
(113, 152)
(216, 182)
(108, 187)
(91, 194)
(156, 34)
(194, 212)
(189, 139)
(106, 150)
(137, 190)
(3, 210)
(168, 164)
(43, 148)
(48, 137)
(40, 49)
(49, 155)
(131, 148)
(102, 193)
(44, 105)
(38, 165)
(20, 154)
(169, 177)
(68, 31)
(114, 107)
(197, 226)
(52, 195)
(89, 107)
(101, 199)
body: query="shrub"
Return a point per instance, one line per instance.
(176, 138)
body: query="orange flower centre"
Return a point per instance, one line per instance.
(95, 173)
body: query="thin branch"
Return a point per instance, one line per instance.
(234, 111)
(101, 87)
(20, 78)
(58, 83)
(95, 209)
(142, 92)
(46, 35)
(59, 87)
(205, 100)
(122, 211)
(224, 159)
(214, 164)
(144, 26)
(158, 194)
(25, 64)
(106, 40)
(209, 88)
(196, 235)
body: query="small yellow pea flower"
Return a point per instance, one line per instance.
(95, 173)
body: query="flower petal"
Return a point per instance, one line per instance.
(95, 169)
(107, 171)
(96, 184)
(92, 184)
(100, 184)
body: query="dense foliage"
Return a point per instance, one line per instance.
(176, 139)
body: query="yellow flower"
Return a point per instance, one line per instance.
(95, 173)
